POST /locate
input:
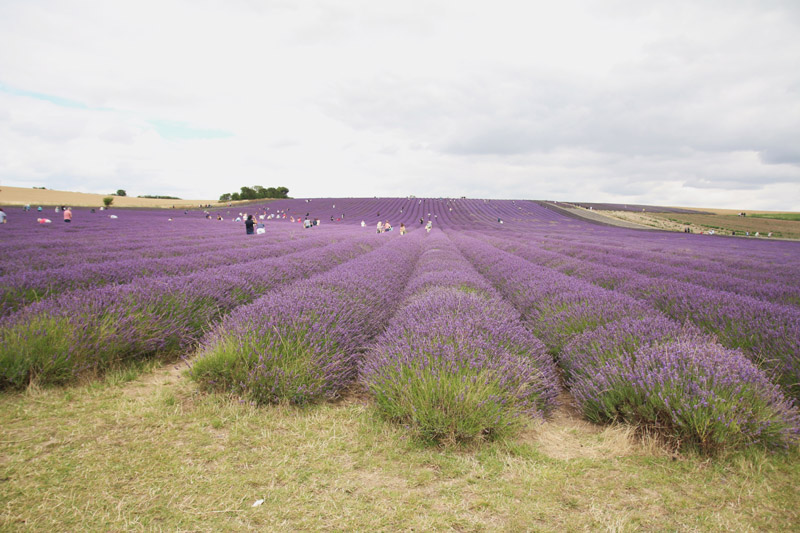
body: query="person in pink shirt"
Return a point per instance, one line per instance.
(68, 214)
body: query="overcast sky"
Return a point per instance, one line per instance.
(691, 103)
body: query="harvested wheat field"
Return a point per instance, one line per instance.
(20, 196)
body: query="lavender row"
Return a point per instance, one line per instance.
(768, 262)
(161, 246)
(86, 332)
(24, 287)
(624, 361)
(303, 343)
(27, 245)
(456, 363)
(763, 281)
(769, 333)
(556, 306)
(759, 286)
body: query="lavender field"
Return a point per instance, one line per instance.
(462, 332)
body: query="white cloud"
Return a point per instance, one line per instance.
(650, 102)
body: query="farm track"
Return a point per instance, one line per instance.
(597, 217)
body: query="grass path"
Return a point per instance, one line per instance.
(152, 453)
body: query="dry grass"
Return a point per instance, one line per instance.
(153, 454)
(567, 436)
(786, 229)
(46, 197)
(652, 220)
(734, 212)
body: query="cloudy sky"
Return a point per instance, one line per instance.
(674, 103)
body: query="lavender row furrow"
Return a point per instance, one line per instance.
(24, 287)
(759, 286)
(692, 253)
(30, 246)
(153, 248)
(769, 333)
(303, 343)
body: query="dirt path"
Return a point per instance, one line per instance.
(151, 382)
(567, 435)
(597, 216)
(650, 221)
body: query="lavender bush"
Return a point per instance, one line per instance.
(593, 348)
(699, 394)
(456, 364)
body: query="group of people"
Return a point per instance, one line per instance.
(687, 229)
(251, 226)
(67, 211)
(386, 227)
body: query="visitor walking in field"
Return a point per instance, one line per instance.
(3, 216)
(249, 223)
(68, 215)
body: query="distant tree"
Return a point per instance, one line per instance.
(256, 192)
(108, 200)
(248, 193)
(121, 192)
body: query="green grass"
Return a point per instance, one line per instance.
(154, 453)
(785, 228)
(778, 216)
(288, 371)
(437, 404)
(37, 350)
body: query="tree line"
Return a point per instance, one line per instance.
(255, 192)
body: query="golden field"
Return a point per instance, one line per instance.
(48, 197)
